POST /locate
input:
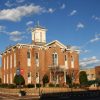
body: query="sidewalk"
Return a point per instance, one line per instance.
(16, 97)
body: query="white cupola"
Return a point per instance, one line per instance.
(39, 35)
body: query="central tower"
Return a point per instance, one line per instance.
(39, 35)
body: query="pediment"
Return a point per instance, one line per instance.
(56, 43)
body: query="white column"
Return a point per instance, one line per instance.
(65, 76)
(57, 79)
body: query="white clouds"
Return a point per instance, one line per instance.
(29, 23)
(96, 38)
(63, 6)
(73, 13)
(15, 14)
(2, 28)
(9, 4)
(96, 18)
(51, 10)
(89, 61)
(20, 1)
(16, 36)
(15, 33)
(75, 47)
(80, 26)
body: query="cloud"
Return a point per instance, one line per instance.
(20, 1)
(15, 14)
(81, 51)
(15, 33)
(51, 10)
(2, 28)
(73, 13)
(89, 61)
(96, 38)
(80, 26)
(9, 4)
(29, 23)
(16, 36)
(96, 18)
(75, 47)
(63, 6)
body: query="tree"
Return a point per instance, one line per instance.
(83, 78)
(19, 80)
(45, 79)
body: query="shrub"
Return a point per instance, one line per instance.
(45, 80)
(30, 86)
(19, 80)
(51, 85)
(38, 85)
(57, 85)
(11, 86)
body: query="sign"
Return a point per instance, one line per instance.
(18, 71)
(21, 71)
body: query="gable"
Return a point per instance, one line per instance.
(56, 42)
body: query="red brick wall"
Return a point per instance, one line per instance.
(45, 60)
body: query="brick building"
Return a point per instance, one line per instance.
(39, 58)
(92, 73)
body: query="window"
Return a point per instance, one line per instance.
(28, 58)
(65, 57)
(28, 54)
(29, 77)
(36, 56)
(72, 59)
(55, 58)
(37, 59)
(66, 62)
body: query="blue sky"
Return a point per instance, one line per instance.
(72, 22)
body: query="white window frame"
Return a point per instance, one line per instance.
(54, 59)
(37, 59)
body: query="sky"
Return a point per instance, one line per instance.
(72, 22)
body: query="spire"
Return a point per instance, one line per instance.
(38, 25)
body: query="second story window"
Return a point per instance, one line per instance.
(55, 59)
(65, 57)
(28, 58)
(37, 59)
(28, 54)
